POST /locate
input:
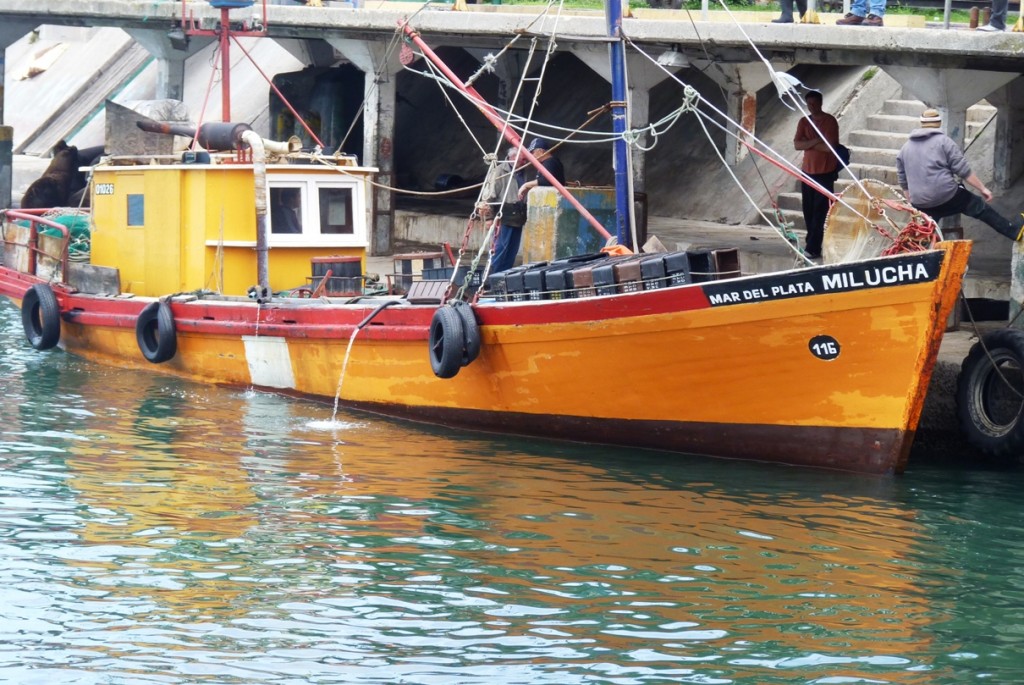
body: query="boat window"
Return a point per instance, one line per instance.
(315, 210)
(286, 210)
(136, 210)
(336, 211)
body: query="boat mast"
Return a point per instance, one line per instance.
(620, 121)
(223, 34)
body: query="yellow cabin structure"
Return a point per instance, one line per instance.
(177, 227)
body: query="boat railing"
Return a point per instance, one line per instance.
(32, 216)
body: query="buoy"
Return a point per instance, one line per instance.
(990, 394)
(447, 342)
(155, 332)
(40, 316)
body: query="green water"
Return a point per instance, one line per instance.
(157, 531)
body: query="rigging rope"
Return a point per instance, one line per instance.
(782, 162)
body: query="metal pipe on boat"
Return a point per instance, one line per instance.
(293, 144)
(214, 135)
(259, 172)
(510, 135)
(369, 317)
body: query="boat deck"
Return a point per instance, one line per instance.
(760, 248)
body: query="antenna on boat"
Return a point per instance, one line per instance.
(223, 32)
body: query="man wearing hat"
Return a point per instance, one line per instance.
(932, 171)
(542, 151)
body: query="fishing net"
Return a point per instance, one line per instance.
(874, 219)
(79, 234)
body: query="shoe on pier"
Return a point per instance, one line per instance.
(873, 20)
(989, 28)
(850, 19)
(782, 20)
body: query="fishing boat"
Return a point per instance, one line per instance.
(189, 273)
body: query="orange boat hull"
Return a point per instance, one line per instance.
(777, 368)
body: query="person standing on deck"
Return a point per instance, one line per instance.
(504, 194)
(932, 172)
(820, 164)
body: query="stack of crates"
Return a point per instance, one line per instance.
(599, 274)
(346, 277)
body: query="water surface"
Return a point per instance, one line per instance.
(159, 531)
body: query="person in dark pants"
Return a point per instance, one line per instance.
(787, 11)
(820, 164)
(932, 171)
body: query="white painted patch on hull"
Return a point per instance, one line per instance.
(270, 365)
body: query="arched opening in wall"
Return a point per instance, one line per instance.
(683, 151)
(329, 100)
(437, 134)
(570, 93)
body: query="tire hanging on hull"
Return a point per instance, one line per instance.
(447, 345)
(470, 331)
(155, 332)
(454, 338)
(990, 394)
(40, 316)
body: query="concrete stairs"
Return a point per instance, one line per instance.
(873, 150)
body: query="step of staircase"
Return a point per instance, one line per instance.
(879, 139)
(790, 201)
(903, 108)
(869, 154)
(879, 172)
(893, 123)
(913, 108)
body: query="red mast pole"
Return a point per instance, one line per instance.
(225, 66)
(224, 34)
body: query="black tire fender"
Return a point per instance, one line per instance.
(40, 316)
(155, 332)
(470, 331)
(990, 405)
(447, 342)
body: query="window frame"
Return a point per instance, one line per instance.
(309, 212)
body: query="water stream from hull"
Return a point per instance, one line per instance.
(341, 376)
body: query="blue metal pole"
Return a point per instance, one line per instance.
(620, 122)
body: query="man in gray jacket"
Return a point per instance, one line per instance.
(929, 165)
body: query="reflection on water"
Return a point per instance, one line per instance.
(156, 531)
